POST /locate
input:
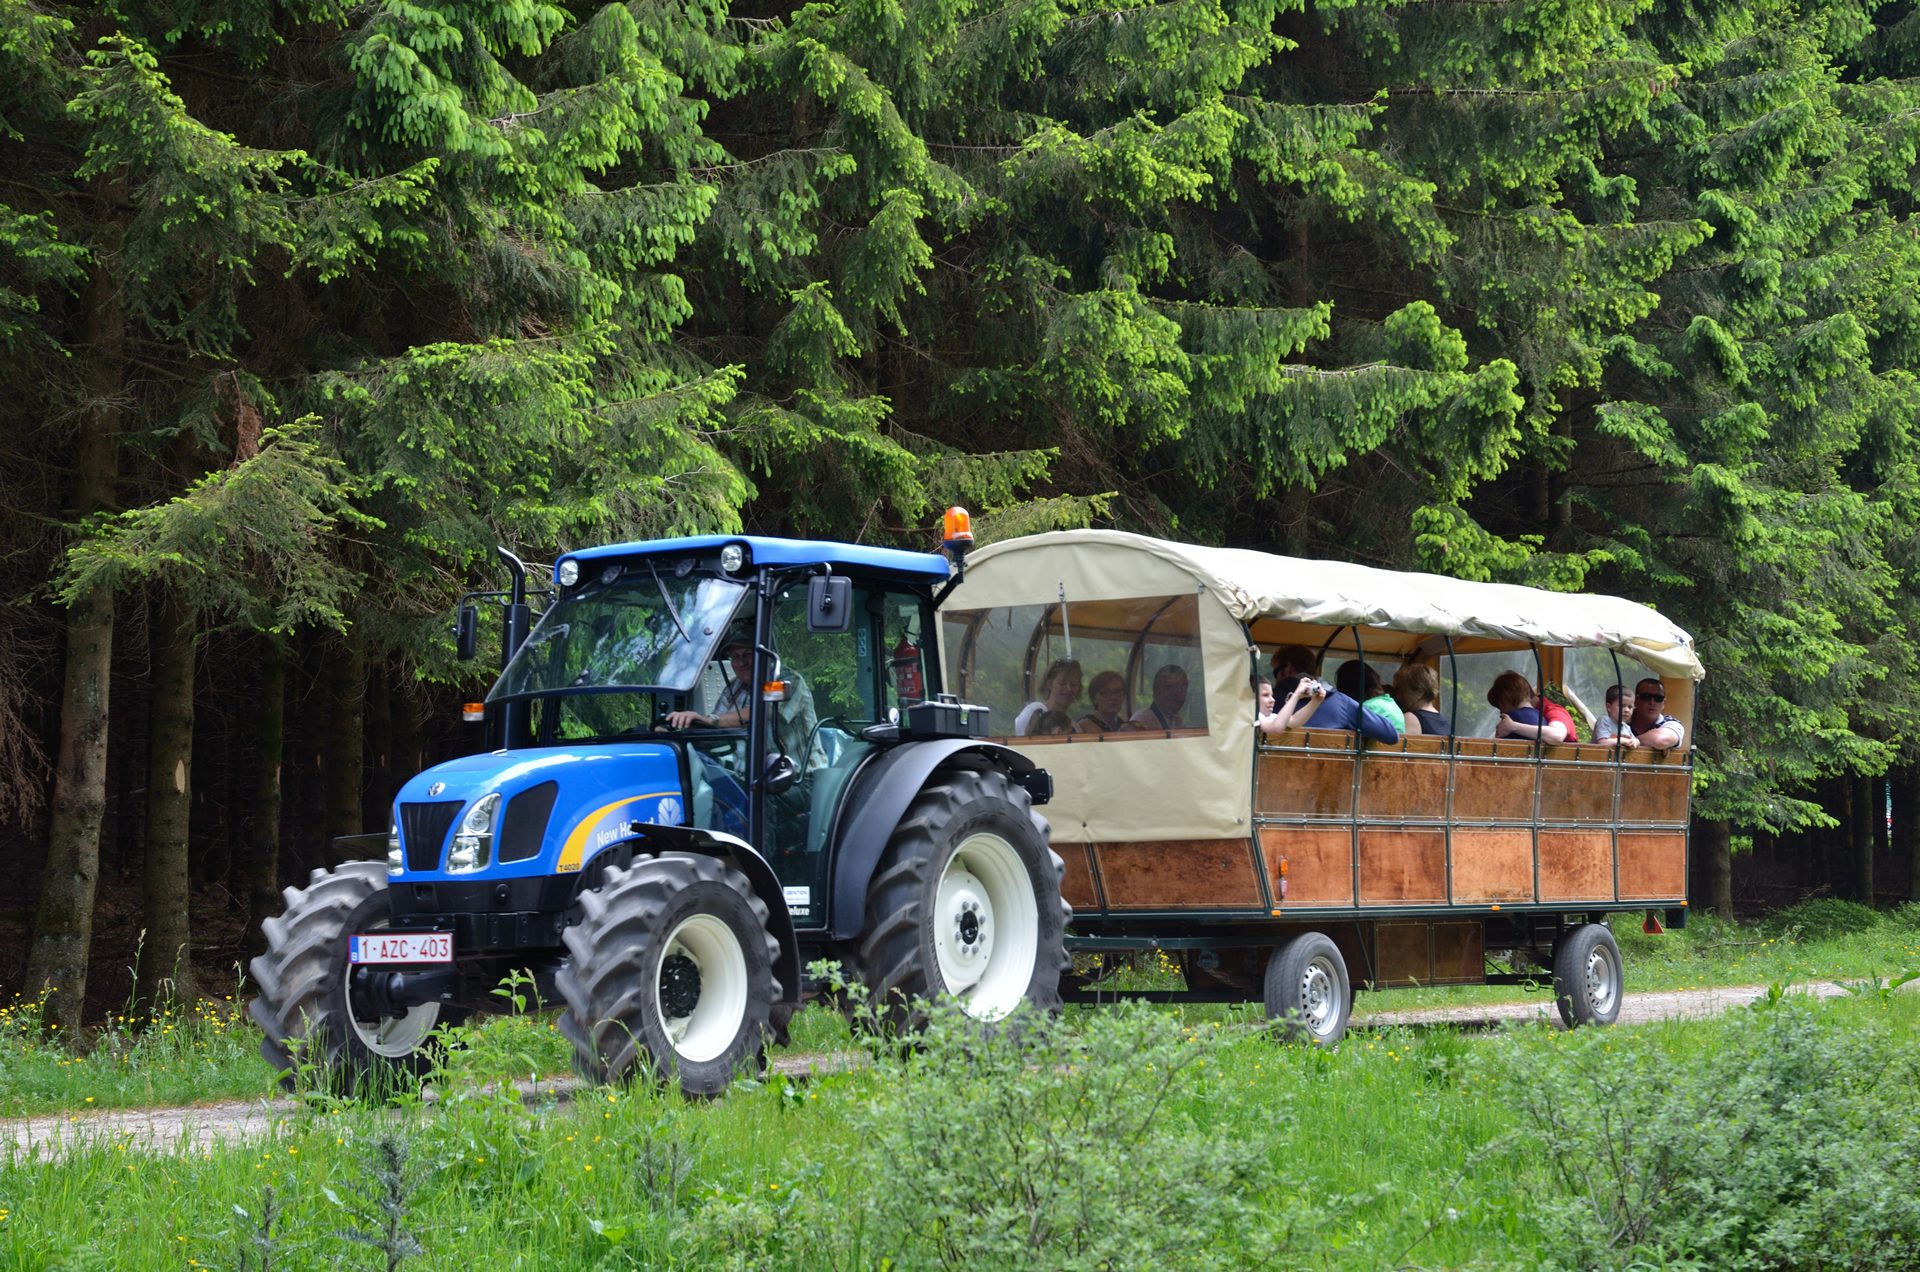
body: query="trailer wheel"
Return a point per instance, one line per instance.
(1587, 981)
(965, 901)
(1308, 994)
(670, 969)
(303, 1006)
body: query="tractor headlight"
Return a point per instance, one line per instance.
(395, 862)
(568, 574)
(732, 557)
(473, 844)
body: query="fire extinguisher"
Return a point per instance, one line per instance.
(906, 670)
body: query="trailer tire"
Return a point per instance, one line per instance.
(965, 901)
(1587, 980)
(1308, 993)
(670, 970)
(302, 1006)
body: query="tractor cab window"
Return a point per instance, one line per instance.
(613, 655)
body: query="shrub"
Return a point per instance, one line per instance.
(1824, 917)
(1784, 1145)
(1042, 1146)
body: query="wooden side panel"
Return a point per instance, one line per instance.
(1076, 884)
(1491, 790)
(1459, 953)
(1403, 867)
(1492, 866)
(1395, 786)
(1292, 785)
(1576, 865)
(1653, 865)
(1402, 954)
(1581, 791)
(1653, 793)
(1319, 864)
(1179, 874)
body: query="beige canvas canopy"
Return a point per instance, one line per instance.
(1201, 787)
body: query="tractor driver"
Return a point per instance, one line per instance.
(794, 722)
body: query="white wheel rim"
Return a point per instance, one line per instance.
(709, 1027)
(1319, 996)
(1602, 980)
(986, 927)
(391, 1037)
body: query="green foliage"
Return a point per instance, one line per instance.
(1824, 918)
(1774, 1150)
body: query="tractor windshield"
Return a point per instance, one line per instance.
(630, 628)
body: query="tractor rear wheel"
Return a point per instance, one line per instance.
(670, 970)
(304, 1007)
(966, 902)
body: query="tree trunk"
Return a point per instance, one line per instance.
(346, 741)
(1713, 850)
(1860, 837)
(263, 857)
(167, 952)
(1906, 824)
(380, 780)
(63, 921)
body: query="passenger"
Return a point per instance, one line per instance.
(1305, 699)
(1059, 690)
(1416, 687)
(1608, 729)
(1293, 661)
(1108, 693)
(1263, 696)
(1362, 683)
(1650, 723)
(1552, 713)
(1169, 697)
(1520, 716)
(1052, 722)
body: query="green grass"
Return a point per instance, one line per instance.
(212, 1052)
(1400, 1145)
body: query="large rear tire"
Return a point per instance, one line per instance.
(671, 971)
(303, 1007)
(966, 902)
(1587, 979)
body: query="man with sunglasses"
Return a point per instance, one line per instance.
(1649, 724)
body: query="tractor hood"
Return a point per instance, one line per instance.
(555, 807)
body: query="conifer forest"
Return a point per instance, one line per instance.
(306, 305)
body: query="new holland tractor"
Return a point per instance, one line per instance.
(713, 760)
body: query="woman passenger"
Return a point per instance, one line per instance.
(1108, 692)
(1059, 690)
(1416, 687)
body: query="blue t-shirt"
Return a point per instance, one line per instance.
(1338, 711)
(1525, 715)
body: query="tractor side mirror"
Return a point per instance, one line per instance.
(466, 633)
(829, 603)
(782, 773)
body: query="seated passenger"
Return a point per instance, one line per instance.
(1263, 697)
(1416, 687)
(1108, 693)
(1520, 714)
(1362, 683)
(1293, 661)
(1059, 690)
(1650, 723)
(1169, 697)
(1304, 700)
(1051, 722)
(1608, 729)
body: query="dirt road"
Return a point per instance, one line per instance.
(197, 1127)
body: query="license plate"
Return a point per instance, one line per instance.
(400, 947)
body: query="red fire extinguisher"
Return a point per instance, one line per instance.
(906, 670)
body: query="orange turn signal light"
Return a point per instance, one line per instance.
(473, 711)
(957, 526)
(774, 691)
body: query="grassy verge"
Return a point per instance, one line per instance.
(1134, 1139)
(211, 1051)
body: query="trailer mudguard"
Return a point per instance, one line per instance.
(739, 854)
(879, 798)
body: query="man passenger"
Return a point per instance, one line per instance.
(1169, 697)
(1650, 723)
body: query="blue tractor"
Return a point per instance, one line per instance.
(713, 761)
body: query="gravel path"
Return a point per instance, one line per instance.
(200, 1126)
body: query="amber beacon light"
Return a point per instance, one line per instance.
(957, 536)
